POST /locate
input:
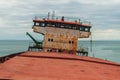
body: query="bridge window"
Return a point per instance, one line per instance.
(86, 29)
(43, 24)
(34, 23)
(62, 26)
(58, 25)
(65, 26)
(74, 27)
(69, 26)
(52, 24)
(37, 24)
(48, 24)
(82, 29)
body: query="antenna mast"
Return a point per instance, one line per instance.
(53, 15)
(91, 43)
(48, 15)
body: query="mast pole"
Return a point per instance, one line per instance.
(91, 43)
(53, 15)
(48, 15)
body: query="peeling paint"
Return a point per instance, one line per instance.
(60, 39)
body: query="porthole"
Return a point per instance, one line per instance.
(69, 42)
(51, 40)
(72, 42)
(48, 39)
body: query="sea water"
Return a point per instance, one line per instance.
(109, 50)
(13, 46)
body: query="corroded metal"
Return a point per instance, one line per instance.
(60, 38)
(7, 57)
(61, 35)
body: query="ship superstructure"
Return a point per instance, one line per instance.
(61, 35)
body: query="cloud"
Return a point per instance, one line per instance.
(100, 2)
(106, 34)
(16, 15)
(7, 3)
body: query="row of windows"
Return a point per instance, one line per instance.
(51, 40)
(60, 25)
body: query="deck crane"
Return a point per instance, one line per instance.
(38, 45)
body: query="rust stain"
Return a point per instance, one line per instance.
(59, 38)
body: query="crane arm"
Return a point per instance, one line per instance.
(32, 37)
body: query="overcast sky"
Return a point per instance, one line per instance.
(16, 16)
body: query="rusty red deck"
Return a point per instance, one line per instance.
(57, 66)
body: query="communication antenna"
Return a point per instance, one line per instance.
(79, 20)
(53, 15)
(35, 17)
(91, 43)
(48, 15)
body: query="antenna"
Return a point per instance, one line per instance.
(48, 15)
(91, 43)
(53, 15)
(35, 17)
(79, 20)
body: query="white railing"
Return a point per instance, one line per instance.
(65, 19)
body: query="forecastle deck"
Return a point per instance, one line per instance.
(57, 66)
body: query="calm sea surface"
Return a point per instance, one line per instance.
(109, 50)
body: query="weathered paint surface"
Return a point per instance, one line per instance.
(53, 66)
(61, 39)
(39, 29)
(66, 32)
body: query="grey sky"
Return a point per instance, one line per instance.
(16, 16)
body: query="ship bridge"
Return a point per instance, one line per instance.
(61, 35)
